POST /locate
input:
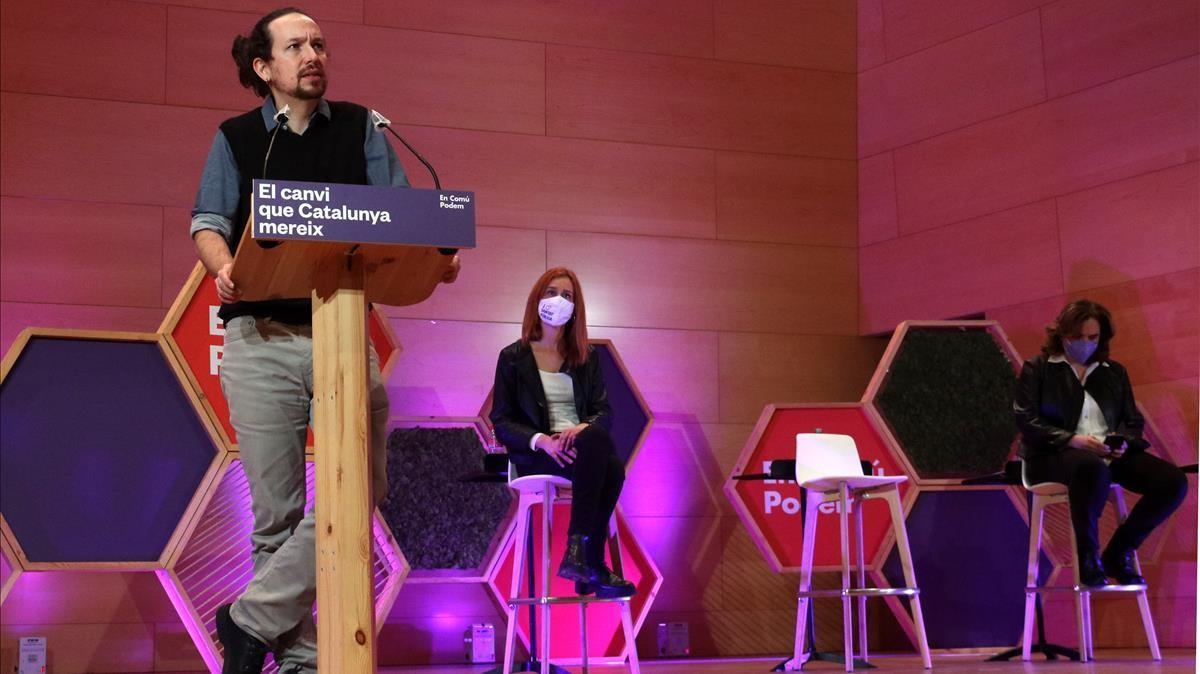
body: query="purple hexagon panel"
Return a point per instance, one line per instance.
(969, 553)
(101, 450)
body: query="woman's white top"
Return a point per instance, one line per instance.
(1091, 418)
(560, 400)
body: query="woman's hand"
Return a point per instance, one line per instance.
(552, 445)
(567, 437)
(1089, 443)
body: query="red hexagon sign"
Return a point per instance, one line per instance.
(195, 333)
(771, 509)
(605, 638)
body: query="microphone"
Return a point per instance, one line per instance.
(382, 122)
(281, 118)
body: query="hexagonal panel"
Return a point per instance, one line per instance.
(943, 386)
(631, 416)
(102, 422)
(605, 638)
(10, 568)
(214, 565)
(771, 509)
(969, 554)
(449, 530)
(194, 332)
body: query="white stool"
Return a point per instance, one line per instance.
(1049, 493)
(829, 468)
(546, 490)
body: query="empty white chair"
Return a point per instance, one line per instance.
(829, 469)
(1049, 493)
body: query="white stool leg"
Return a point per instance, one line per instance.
(892, 496)
(812, 502)
(1083, 601)
(1036, 512)
(547, 516)
(520, 540)
(1118, 495)
(847, 619)
(627, 623)
(582, 635)
(862, 578)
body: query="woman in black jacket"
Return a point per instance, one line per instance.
(551, 411)
(1080, 426)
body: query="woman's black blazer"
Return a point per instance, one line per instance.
(519, 403)
(1049, 399)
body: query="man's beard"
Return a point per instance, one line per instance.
(312, 91)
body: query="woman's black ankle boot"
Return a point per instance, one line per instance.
(575, 562)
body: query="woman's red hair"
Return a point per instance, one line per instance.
(573, 342)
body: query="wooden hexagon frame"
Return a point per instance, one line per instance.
(480, 573)
(220, 538)
(182, 527)
(382, 337)
(486, 407)
(879, 379)
(629, 540)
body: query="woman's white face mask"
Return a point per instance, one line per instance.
(556, 311)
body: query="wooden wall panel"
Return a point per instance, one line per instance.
(1088, 42)
(877, 199)
(1159, 323)
(680, 27)
(870, 34)
(445, 368)
(321, 10)
(16, 316)
(129, 153)
(1156, 319)
(1137, 124)
(758, 369)
(174, 650)
(178, 252)
(494, 283)
(689, 552)
(699, 103)
(645, 282)
(798, 200)
(681, 470)
(409, 76)
(1134, 228)
(911, 25)
(78, 253)
(996, 260)
(564, 184)
(818, 34)
(938, 89)
(86, 648)
(674, 370)
(200, 69)
(1172, 405)
(103, 63)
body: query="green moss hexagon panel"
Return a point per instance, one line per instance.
(944, 392)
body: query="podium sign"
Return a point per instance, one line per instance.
(344, 246)
(287, 210)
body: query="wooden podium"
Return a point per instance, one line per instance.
(399, 264)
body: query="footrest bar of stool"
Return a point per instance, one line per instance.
(864, 592)
(567, 600)
(1099, 589)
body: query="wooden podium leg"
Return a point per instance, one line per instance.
(346, 624)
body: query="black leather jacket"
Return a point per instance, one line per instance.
(519, 408)
(1049, 400)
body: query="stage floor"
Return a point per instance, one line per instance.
(1175, 661)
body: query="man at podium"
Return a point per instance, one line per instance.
(266, 368)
